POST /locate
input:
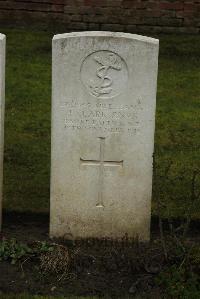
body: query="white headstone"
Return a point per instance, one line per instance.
(2, 105)
(103, 111)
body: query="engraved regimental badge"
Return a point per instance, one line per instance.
(104, 74)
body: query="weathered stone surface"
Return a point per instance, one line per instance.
(103, 110)
(2, 105)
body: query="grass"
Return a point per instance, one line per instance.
(177, 137)
(27, 134)
(27, 123)
(26, 296)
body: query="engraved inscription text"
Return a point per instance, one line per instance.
(101, 118)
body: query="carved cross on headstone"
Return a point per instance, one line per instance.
(101, 163)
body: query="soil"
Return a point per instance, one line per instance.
(101, 268)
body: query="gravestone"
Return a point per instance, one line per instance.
(103, 113)
(2, 104)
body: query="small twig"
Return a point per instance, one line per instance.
(185, 257)
(63, 274)
(21, 264)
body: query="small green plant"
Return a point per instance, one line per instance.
(43, 247)
(12, 250)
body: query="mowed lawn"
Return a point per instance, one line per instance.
(27, 296)
(28, 114)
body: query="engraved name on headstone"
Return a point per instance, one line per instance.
(103, 114)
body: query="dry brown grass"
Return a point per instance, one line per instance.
(56, 261)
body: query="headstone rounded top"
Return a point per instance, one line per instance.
(107, 34)
(2, 36)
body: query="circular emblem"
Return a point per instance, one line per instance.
(104, 74)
